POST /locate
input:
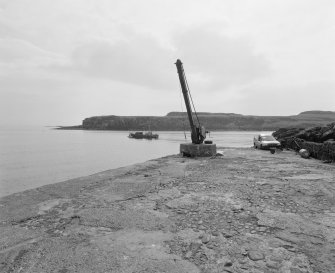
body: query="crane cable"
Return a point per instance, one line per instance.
(189, 91)
(182, 110)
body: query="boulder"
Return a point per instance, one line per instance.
(304, 153)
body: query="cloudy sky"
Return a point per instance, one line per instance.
(64, 60)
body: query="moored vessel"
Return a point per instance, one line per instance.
(141, 135)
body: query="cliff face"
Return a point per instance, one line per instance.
(211, 121)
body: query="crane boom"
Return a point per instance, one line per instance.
(197, 132)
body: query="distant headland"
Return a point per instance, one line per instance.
(177, 121)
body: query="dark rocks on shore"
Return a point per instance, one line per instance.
(314, 134)
(318, 141)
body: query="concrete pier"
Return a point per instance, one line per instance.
(246, 211)
(195, 150)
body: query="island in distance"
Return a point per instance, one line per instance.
(177, 121)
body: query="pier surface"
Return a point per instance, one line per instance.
(246, 211)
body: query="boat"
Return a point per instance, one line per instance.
(141, 135)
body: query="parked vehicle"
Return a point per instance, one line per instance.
(141, 135)
(265, 141)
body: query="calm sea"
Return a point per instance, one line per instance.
(33, 157)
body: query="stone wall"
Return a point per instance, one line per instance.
(323, 151)
(318, 141)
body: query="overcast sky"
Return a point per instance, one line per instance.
(64, 60)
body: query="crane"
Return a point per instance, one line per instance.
(198, 133)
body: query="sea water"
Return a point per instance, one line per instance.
(32, 157)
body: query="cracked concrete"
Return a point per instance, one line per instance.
(247, 211)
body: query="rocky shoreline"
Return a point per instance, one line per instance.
(318, 141)
(245, 211)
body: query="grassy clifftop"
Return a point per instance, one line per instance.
(212, 121)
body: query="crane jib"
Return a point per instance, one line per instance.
(197, 132)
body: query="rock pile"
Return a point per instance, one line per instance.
(314, 134)
(318, 141)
